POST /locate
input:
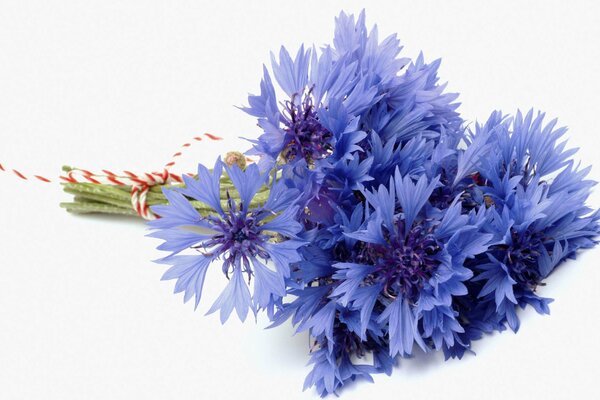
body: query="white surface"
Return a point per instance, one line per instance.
(100, 84)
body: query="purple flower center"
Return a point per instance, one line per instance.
(239, 238)
(346, 342)
(405, 263)
(306, 137)
(521, 257)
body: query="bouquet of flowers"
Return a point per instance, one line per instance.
(373, 216)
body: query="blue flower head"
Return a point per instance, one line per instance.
(407, 264)
(339, 357)
(252, 242)
(324, 93)
(535, 196)
(384, 278)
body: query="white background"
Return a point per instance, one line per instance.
(121, 85)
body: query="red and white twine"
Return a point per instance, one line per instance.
(140, 183)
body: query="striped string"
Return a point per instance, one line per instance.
(140, 183)
(22, 176)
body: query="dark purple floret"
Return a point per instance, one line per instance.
(240, 235)
(442, 196)
(406, 263)
(306, 137)
(347, 343)
(521, 257)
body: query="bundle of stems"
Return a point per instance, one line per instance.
(114, 199)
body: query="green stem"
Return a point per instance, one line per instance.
(114, 199)
(86, 207)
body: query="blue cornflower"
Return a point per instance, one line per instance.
(313, 84)
(339, 352)
(253, 242)
(396, 265)
(326, 92)
(408, 264)
(339, 358)
(535, 196)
